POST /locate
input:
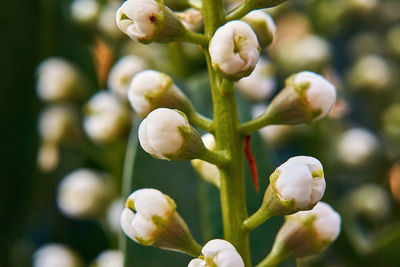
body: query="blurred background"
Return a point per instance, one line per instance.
(65, 68)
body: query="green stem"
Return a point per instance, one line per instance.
(252, 126)
(200, 121)
(232, 189)
(213, 13)
(216, 158)
(255, 220)
(195, 38)
(240, 11)
(273, 259)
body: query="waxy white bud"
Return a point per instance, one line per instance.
(109, 258)
(218, 253)
(307, 97)
(309, 52)
(107, 118)
(167, 134)
(85, 11)
(209, 172)
(260, 84)
(191, 18)
(306, 233)
(106, 22)
(122, 72)
(150, 218)
(356, 146)
(59, 123)
(84, 193)
(54, 254)
(371, 73)
(234, 50)
(263, 25)
(151, 89)
(60, 80)
(149, 20)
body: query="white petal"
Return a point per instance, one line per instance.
(197, 263)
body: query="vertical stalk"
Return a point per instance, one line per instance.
(229, 141)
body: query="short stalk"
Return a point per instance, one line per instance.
(195, 38)
(200, 121)
(273, 259)
(218, 159)
(239, 11)
(254, 125)
(255, 220)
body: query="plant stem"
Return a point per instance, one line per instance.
(250, 127)
(273, 259)
(240, 11)
(255, 220)
(200, 121)
(195, 38)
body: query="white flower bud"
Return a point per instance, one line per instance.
(263, 25)
(305, 233)
(191, 18)
(260, 84)
(48, 157)
(167, 134)
(307, 97)
(106, 22)
(150, 218)
(59, 123)
(54, 254)
(218, 253)
(109, 258)
(309, 52)
(83, 193)
(356, 146)
(148, 20)
(122, 72)
(106, 118)
(207, 171)
(301, 179)
(372, 201)
(113, 213)
(151, 89)
(85, 11)
(371, 73)
(234, 49)
(59, 80)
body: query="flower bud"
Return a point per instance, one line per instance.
(209, 172)
(149, 20)
(307, 97)
(263, 25)
(191, 18)
(48, 157)
(150, 219)
(84, 193)
(234, 50)
(305, 233)
(106, 118)
(85, 11)
(357, 146)
(371, 201)
(60, 80)
(54, 254)
(260, 84)
(167, 134)
(298, 184)
(59, 123)
(218, 253)
(371, 73)
(113, 213)
(122, 72)
(308, 52)
(109, 258)
(151, 89)
(106, 22)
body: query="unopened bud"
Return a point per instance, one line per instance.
(122, 72)
(106, 22)
(85, 11)
(150, 219)
(218, 253)
(260, 84)
(357, 146)
(54, 254)
(149, 20)
(60, 80)
(307, 97)
(263, 25)
(151, 89)
(191, 18)
(234, 50)
(298, 184)
(107, 118)
(48, 157)
(84, 193)
(109, 258)
(209, 172)
(305, 233)
(167, 134)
